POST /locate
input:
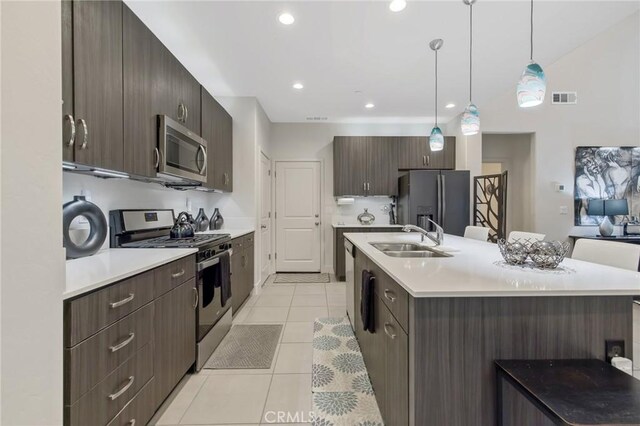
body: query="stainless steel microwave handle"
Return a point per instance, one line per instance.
(204, 154)
(156, 154)
(213, 261)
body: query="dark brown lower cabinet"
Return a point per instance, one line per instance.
(128, 345)
(175, 335)
(242, 270)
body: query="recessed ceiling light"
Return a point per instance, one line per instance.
(397, 5)
(298, 86)
(369, 105)
(450, 105)
(286, 18)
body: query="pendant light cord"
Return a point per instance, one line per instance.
(436, 88)
(531, 31)
(470, 51)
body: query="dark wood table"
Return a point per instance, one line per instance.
(573, 391)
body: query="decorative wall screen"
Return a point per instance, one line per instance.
(490, 204)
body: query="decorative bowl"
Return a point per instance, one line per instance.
(514, 252)
(548, 254)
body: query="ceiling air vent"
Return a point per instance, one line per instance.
(317, 118)
(565, 98)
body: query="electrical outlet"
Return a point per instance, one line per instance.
(613, 348)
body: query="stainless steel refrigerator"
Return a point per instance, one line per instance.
(439, 195)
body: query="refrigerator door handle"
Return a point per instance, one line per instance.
(443, 185)
(439, 195)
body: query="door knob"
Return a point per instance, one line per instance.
(263, 226)
(317, 223)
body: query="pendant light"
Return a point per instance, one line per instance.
(436, 140)
(470, 123)
(533, 83)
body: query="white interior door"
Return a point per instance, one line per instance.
(265, 217)
(297, 216)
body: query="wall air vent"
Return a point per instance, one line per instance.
(564, 98)
(317, 118)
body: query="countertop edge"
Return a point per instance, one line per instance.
(357, 225)
(123, 276)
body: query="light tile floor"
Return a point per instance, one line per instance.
(261, 396)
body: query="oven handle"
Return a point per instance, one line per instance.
(213, 261)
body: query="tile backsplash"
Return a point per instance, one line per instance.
(348, 214)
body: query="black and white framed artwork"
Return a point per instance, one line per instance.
(606, 173)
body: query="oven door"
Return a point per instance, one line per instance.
(182, 152)
(210, 308)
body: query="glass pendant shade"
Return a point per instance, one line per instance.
(436, 140)
(470, 123)
(532, 86)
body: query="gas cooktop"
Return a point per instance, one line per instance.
(198, 240)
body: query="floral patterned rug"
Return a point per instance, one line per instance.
(342, 392)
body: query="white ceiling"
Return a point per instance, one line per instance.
(238, 48)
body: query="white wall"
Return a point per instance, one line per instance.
(604, 72)
(31, 223)
(313, 141)
(514, 152)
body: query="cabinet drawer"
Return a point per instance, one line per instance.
(173, 274)
(92, 360)
(237, 244)
(105, 400)
(89, 314)
(393, 296)
(139, 410)
(248, 240)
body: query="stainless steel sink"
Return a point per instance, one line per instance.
(408, 250)
(398, 246)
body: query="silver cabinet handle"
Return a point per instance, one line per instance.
(132, 422)
(178, 274)
(364, 186)
(72, 136)
(116, 395)
(181, 112)
(388, 294)
(122, 302)
(368, 187)
(424, 160)
(428, 160)
(186, 113)
(386, 330)
(156, 154)
(122, 344)
(196, 298)
(85, 134)
(204, 154)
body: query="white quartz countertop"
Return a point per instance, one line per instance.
(112, 265)
(358, 225)
(234, 233)
(473, 272)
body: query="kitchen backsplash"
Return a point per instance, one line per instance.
(348, 214)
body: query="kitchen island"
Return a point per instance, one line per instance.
(440, 322)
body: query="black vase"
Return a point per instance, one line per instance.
(216, 221)
(202, 221)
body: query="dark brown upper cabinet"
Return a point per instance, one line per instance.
(364, 166)
(92, 83)
(414, 154)
(140, 113)
(217, 130)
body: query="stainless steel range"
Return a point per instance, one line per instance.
(151, 229)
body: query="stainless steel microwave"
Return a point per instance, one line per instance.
(182, 153)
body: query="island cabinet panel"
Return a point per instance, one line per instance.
(217, 130)
(456, 340)
(394, 297)
(96, 67)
